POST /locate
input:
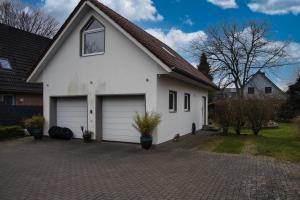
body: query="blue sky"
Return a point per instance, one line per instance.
(177, 22)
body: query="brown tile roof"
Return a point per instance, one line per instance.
(155, 46)
(22, 49)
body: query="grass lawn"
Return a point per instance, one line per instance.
(282, 143)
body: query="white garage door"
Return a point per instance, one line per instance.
(117, 118)
(72, 114)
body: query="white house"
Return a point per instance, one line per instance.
(101, 69)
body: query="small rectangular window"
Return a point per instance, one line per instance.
(268, 90)
(187, 102)
(172, 101)
(7, 99)
(250, 90)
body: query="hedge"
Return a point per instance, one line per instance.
(7, 132)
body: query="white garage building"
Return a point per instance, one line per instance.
(101, 69)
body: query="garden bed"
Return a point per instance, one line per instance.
(10, 132)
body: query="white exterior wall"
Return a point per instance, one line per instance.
(259, 82)
(122, 69)
(181, 121)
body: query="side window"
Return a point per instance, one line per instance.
(187, 102)
(250, 90)
(268, 90)
(93, 38)
(172, 101)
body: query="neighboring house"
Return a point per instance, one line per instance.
(226, 93)
(19, 51)
(101, 69)
(262, 87)
(259, 86)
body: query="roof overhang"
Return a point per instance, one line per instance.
(189, 80)
(203, 84)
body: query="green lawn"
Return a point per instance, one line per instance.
(282, 143)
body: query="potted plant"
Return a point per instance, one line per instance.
(34, 125)
(145, 125)
(87, 135)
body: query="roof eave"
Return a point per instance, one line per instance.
(212, 86)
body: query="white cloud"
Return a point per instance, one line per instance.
(136, 10)
(275, 7)
(293, 51)
(225, 4)
(59, 9)
(188, 21)
(176, 38)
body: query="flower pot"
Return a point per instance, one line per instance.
(146, 142)
(37, 133)
(87, 138)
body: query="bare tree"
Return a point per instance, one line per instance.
(16, 14)
(237, 52)
(259, 112)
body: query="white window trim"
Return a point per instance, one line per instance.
(82, 42)
(174, 109)
(188, 96)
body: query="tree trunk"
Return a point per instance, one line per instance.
(225, 130)
(239, 110)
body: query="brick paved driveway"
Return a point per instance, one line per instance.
(52, 169)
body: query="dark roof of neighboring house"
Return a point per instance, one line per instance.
(162, 51)
(22, 49)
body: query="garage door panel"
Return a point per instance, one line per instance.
(110, 115)
(72, 113)
(124, 138)
(117, 118)
(128, 108)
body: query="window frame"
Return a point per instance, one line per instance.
(188, 102)
(174, 94)
(86, 32)
(7, 60)
(249, 90)
(271, 90)
(9, 95)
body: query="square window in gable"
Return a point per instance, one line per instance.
(268, 90)
(93, 38)
(251, 90)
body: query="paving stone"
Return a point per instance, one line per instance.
(56, 170)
